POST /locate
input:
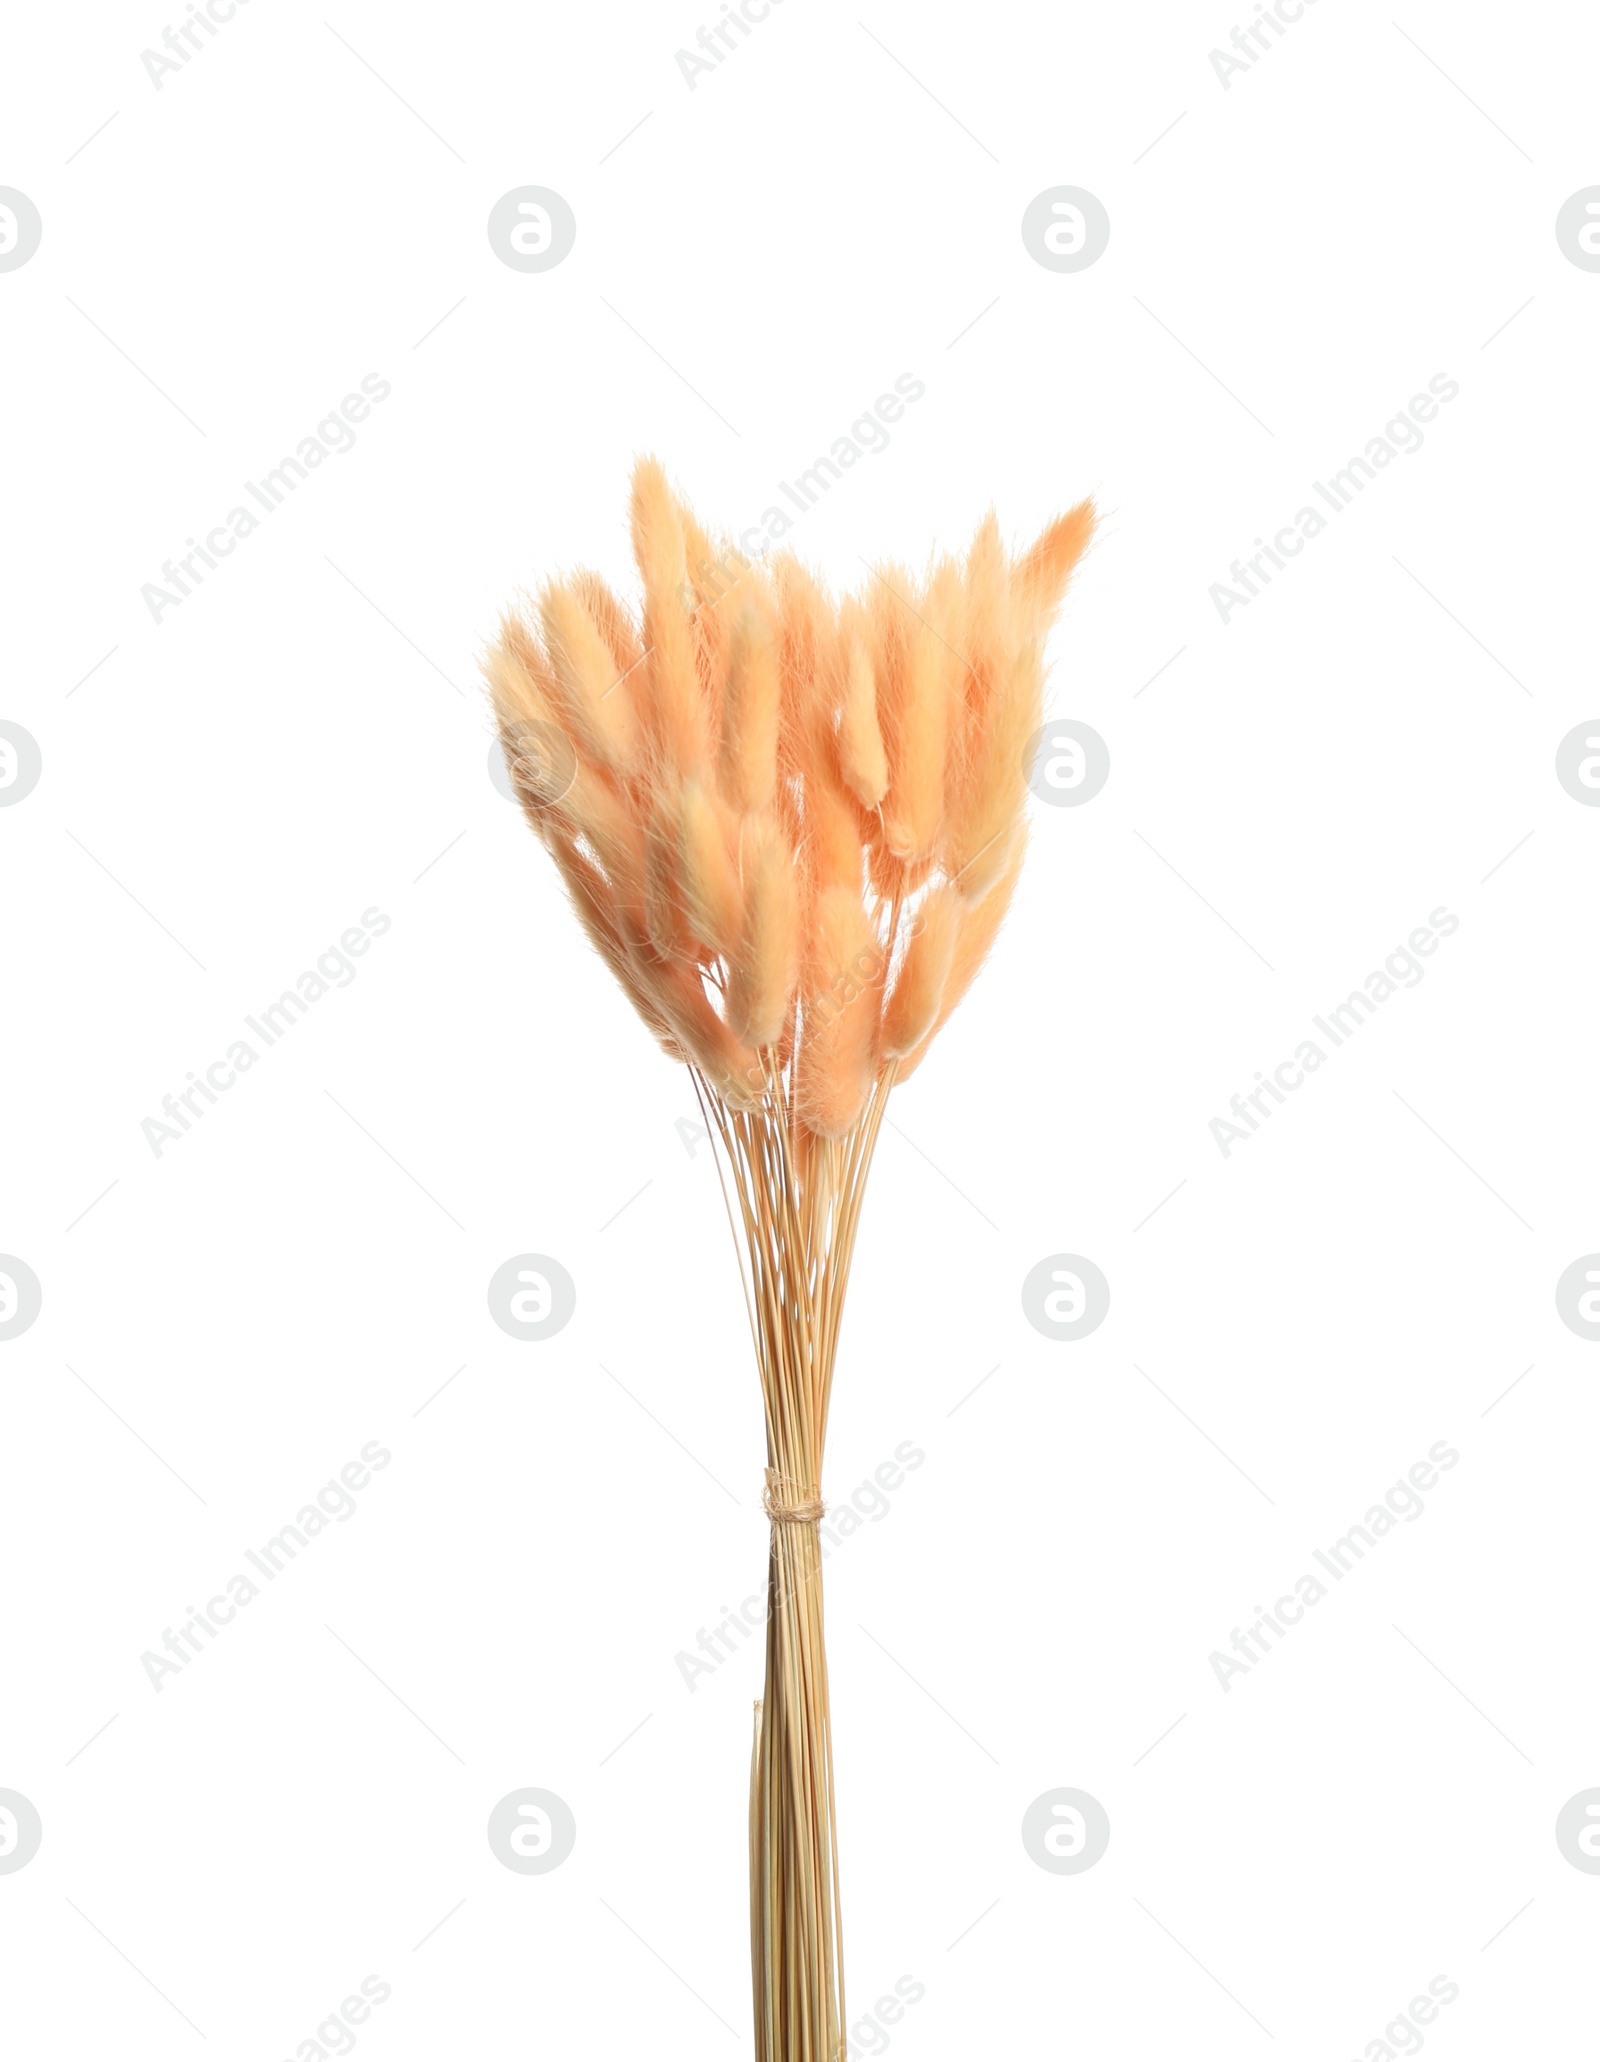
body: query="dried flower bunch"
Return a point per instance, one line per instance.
(792, 827)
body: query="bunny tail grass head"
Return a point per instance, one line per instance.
(791, 823)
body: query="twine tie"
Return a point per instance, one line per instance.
(786, 1503)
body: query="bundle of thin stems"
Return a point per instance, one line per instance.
(791, 826)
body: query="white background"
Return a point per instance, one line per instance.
(304, 738)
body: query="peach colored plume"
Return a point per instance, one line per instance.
(790, 824)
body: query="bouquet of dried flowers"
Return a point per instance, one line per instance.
(791, 826)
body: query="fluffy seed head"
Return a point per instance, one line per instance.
(595, 701)
(913, 808)
(844, 980)
(919, 984)
(614, 623)
(675, 699)
(1041, 577)
(706, 869)
(766, 959)
(976, 932)
(747, 765)
(861, 755)
(790, 826)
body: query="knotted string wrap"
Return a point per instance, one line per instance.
(786, 1503)
(797, 1961)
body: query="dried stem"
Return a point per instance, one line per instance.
(799, 1205)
